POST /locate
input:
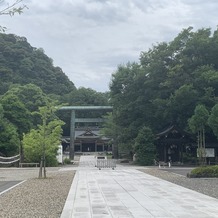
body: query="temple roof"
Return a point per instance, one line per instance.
(86, 134)
(171, 129)
(174, 135)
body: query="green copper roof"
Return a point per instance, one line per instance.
(109, 108)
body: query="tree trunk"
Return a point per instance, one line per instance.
(115, 150)
(44, 166)
(40, 169)
(203, 145)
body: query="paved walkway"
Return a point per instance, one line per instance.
(7, 185)
(126, 192)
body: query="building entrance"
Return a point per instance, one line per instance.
(88, 147)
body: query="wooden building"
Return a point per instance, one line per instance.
(172, 143)
(87, 140)
(178, 146)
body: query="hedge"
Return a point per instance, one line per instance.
(204, 172)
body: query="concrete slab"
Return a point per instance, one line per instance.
(127, 192)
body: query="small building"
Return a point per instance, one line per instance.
(87, 140)
(176, 145)
(172, 143)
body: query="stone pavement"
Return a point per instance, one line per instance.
(126, 192)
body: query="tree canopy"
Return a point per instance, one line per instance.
(144, 146)
(167, 84)
(9, 139)
(41, 143)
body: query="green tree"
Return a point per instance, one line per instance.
(9, 139)
(16, 112)
(32, 97)
(144, 147)
(181, 104)
(213, 120)
(197, 125)
(111, 130)
(86, 96)
(19, 104)
(41, 144)
(164, 88)
(130, 105)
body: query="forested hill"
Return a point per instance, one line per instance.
(20, 63)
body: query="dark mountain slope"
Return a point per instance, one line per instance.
(20, 63)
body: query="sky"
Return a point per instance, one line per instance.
(89, 39)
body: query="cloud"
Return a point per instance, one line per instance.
(88, 39)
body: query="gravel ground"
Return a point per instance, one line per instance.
(207, 186)
(35, 197)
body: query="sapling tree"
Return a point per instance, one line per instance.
(41, 144)
(197, 125)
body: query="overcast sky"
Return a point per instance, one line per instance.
(88, 39)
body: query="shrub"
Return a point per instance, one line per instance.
(189, 159)
(205, 171)
(67, 161)
(144, 147)
(51, 160)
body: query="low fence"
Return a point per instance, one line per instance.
(106, 163)
(28, 164)
(162, 163)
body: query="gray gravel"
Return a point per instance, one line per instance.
(35, 197)
(207, 186)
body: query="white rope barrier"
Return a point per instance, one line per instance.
(9, 160)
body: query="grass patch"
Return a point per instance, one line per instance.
(204, 172)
